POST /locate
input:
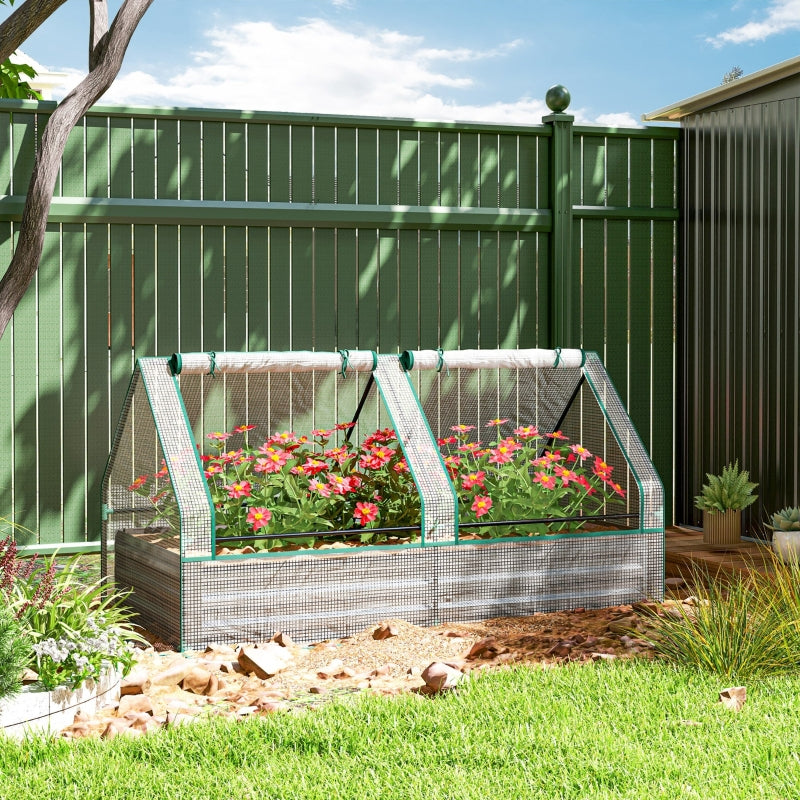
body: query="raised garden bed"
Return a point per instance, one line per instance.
(229, 567)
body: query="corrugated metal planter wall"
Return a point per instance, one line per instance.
(739, 330)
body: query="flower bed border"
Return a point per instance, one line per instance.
(35, 710)
(316, 595)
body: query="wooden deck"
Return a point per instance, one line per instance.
(685, 550)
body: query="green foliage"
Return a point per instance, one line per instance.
(787, 519)
(744, 627)
(12, 81)
(72, 631)
(730, 491)
(14, 653)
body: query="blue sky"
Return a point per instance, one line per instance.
(432, 59)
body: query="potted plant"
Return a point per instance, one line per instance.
(721, 500)
(785, 529)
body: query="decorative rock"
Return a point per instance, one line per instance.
(174, 673)
(734, 697)
(283, 639)
(219, 649)
(29, 676)
(331, 670)
(200, 681)
(439, 676)
(139, 703)
(486, 648)
(265, 661)
(561, 649)
(316, 690)
(603, 656)
(623, 625)
(385, 631)
(137, 682)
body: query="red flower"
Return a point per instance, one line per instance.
(556, 435)
(447, 440)
(313, 466)
(481, 505)
(617, 488)
(365, 512)
(140, 481)
(243, 429)
(258, 517)
(239, 489)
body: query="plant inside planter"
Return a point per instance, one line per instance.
(785, 529)
(722, 500)
(300, 486)
(60, 629)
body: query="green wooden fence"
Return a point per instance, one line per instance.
(190, 230)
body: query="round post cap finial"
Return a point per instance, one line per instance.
(557, 98)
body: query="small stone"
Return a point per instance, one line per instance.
(231, 668)
(200, 681)
(79, 731)
(174, 673)
(603, 656)
(415, 672)
(316, 690)
(561, 649)
(623, 625)
(283, 639)
(439, 676)
(80, 716)
(265, 661)
(331, 669)
(674, 583)
(136, 682)
(175, 720)
(486, 648)
(116, 727)
(248, 550)
(219, 649)
(134, 703)
(385, 631)
(246, 711)
(29, 675)
(734, 697)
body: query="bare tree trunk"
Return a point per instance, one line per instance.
(98, 28)
(28, 251)
(23, 22)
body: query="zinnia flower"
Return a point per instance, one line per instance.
(258, 517)
(473, 479)
(481, 505)
(239, 489)
(365, 512)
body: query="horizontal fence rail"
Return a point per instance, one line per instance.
(195, 230)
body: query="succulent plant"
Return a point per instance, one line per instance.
(787, 519)
(730, 491)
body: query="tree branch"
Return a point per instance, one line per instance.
(23, 22)
(28, 251)
(98, 28)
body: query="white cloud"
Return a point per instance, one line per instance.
(781, 16)
(316, 67)
(618, 120)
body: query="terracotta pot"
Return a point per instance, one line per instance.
(722, 528)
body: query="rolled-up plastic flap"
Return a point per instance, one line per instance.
(492, 359)
(269, 361)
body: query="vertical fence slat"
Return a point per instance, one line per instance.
(324, 165)
(49, 406)
(6, 162)
(190, 164)
(213, 287)
(213, 160)
(323, 320)
(302, 154)
(448, 168)
(346, 165)
(97, 178)
(489, 165)
(190, 298)
(280, 287)
(430, 288)
(469, 170)
(388, 174)
(346, 297)
(120, 157)
(167, 159)
(7, 420)
(450, 294)
(235, 161)
(236, 306)
(429, 168)
(469, 273)
(98, 412)
(74, 431)
(24, 126)
(73, 179)
(409, 168)
(408, 296)
(302, 288)
(388, 297)
(167, 304)
(257, 162)
(279, 156)
(368, 300)
(258, 300)
(145, 279)
(617, 287)
(144, 158)
(508, 283)
(488, 293)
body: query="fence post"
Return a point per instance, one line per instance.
(564, 329)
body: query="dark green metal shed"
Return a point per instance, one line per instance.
(739, 302)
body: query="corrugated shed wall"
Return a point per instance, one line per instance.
(739, 329)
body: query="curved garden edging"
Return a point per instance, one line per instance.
(35, 710)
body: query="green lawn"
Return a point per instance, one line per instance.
(619, 730)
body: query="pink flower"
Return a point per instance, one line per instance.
(365, 512)
(473, 479)
(617, 488)
(258, 517)
(218, 437)
(469, 446)
(243, 429)
(239, 489)
(401, 466)
(498, 422)
(580, 451)
(339, 484)
(501, 455)
(213, 469)
(545, 479)
(556, 435)
(601, 469)
(322, 433)
(527, 432)
(338, 454)
(481, 505)
(313, 466)
(320, 487)
(462, 428)
(283, 438)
